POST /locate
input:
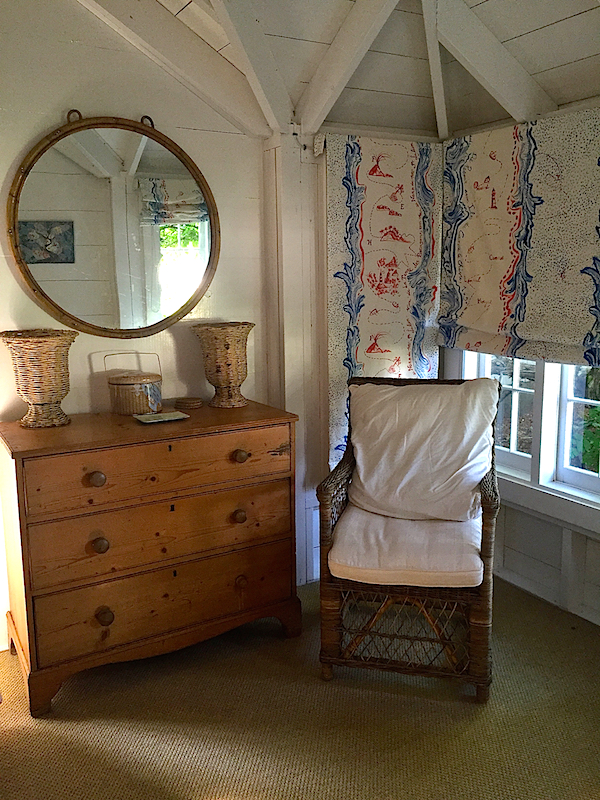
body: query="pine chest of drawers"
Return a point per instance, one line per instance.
(127, 540)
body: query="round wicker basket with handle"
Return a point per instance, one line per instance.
(41, 364)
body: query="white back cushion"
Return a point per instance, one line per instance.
(422, 450)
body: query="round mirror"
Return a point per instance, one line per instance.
(113, 226)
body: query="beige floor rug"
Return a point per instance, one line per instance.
(246, 717)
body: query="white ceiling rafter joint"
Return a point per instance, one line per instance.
(357, 33)
(244, 29)
(463, 34)
(430, 12)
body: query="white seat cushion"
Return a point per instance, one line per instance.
(422, 450)
(371, 548)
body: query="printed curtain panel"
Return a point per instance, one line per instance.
(384, 229)
(521, 241)
(171, 201)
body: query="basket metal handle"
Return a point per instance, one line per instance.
(133, 353)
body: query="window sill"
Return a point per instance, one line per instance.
(574, 509)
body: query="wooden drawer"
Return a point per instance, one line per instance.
(65, 551)
(63, 483)
(155, 603)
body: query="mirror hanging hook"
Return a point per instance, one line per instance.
(146, 120)
(75, 111)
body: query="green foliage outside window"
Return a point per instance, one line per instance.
(188, 235)
(585, 441)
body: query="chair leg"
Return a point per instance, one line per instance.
(326, 672)
(482, 693)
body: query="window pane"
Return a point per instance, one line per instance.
(525, 427)
(502, 370)
(527, 375)
(584, 450)
(503, 419)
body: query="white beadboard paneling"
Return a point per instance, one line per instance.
(412, 6)
(533, 537)
(507, 19)
(592, 562)
(572, 39)
(174, 6)
(90, 79)
(92, 262)
(468, 103)
(31, 25)
(384, 109)
(571, 82)
(402, 35)
(591, 596)
(311, 20)
(533, 570)
(80, 297)
(297, 61)
(389, 73)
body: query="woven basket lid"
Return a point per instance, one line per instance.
(132, 377)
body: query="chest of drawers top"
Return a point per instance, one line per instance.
(112, 430)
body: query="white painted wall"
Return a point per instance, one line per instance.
(58, 56)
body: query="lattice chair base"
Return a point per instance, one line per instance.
(411, 630)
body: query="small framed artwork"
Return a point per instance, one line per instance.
(47, 242)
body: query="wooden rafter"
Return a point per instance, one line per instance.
(435, 66)
(464, 35)
(154, 31)
(364, 21)
(244, 29)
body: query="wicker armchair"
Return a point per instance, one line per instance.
(435, 631)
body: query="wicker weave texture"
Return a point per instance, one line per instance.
(225, 363)
(41, 366)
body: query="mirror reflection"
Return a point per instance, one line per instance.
(114, 228)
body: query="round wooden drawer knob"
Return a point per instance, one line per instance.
(100, 545)
(240, 515)
(97, 478)
(241, 582)
(240, 456)
(105, 616)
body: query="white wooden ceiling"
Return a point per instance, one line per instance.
(430, 68)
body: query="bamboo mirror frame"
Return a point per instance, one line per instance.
(121, 245)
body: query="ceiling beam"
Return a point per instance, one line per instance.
(155, 32)
(464, 35)
(91, 151)
(358, 31)
(435, 66)
(244, 29)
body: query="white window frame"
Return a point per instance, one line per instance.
(565, 473)
(547, 467)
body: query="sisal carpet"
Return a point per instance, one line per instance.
(246, 717)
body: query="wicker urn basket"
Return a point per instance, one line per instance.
(41, 364)
(225, 363)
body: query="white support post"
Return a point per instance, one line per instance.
(293, 253)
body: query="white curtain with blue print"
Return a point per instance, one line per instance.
(171, 201)
(521, 241)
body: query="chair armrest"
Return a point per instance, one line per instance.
(332, 494)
